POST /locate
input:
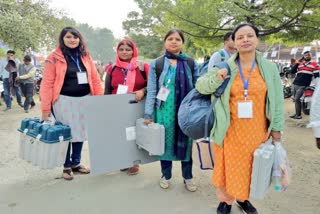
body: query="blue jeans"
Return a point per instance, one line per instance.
(7, 93)
(27, 91)
(75, 156)
(186, 168)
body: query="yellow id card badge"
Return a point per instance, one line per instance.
(245, 109)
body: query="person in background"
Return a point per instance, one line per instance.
(8, 72)
(127, 76)
(26, 72)
(249, 112)
(305, 71)
(100, 69)
(69, 75)
(108, 66)
(315, 114)
(165, 94)
(225, 53)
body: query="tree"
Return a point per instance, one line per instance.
(206, 21)
(100, 42)
(29, 24)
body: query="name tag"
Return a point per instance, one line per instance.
(82, 77)
(122, 89)
(245, 109)
(163, 93)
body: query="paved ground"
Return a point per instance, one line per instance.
(25, 189)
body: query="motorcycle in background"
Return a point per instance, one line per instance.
(286, 83)
(306, 99)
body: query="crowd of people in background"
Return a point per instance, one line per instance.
(253, 98)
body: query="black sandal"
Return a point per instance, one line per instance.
(67, 174)
(81, 169)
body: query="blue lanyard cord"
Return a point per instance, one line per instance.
(76, 61)
(125, 72)
(246, 82)
(169, 77)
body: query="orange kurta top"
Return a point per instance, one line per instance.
(233, 161)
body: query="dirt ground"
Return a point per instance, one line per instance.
(25, 189)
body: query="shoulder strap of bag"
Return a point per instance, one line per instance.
(219, 91)
(160, 62)
(141, 69)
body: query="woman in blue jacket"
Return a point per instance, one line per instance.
(165, 90)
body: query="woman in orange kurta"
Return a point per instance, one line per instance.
(233, 170)
(249, 111)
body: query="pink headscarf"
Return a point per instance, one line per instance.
(131, 75)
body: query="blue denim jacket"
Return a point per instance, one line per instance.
(153, 87)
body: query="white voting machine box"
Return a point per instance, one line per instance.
(150, 137)
(263, 159)
(111, 129)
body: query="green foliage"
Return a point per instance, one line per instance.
(100, 42)
(148, 46)
(28, 24)
(204, 22)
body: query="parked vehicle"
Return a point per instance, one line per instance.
(286, 83)
(306, 99)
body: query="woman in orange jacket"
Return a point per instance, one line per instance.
(69, 75)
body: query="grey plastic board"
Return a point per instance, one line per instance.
(108, 118)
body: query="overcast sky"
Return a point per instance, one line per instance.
(98, 13)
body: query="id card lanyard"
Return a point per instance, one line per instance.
(82, 76)
(125, 72)
(245, 108)
(123, 88)
(164, 90)
(76, 61)
(244, 81)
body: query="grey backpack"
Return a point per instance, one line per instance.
(195, 115)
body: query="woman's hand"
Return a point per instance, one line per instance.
(222, 74)
(45, 116)
(148, 121)
(276, 136)
(139, 94)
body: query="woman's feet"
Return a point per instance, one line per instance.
(164, 183)
(67, 174)
(133, 170)
(189, 184)
(247, 207)
(80, 169)
(224, 208)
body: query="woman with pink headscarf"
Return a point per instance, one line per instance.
(128, 75)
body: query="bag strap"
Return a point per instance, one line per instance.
(219, 91)
(223, 56)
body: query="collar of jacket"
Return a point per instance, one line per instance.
(233, 66)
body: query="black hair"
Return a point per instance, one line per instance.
(125, 42)
(27, 58)
(306, 52)
(172, 31)
(11, 52)
(82, 45)
(227, 36)
(256, 30)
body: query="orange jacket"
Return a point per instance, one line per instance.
(53, 78)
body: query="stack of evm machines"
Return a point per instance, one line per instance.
(43, 144)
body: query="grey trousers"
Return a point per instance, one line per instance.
(297, 94)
